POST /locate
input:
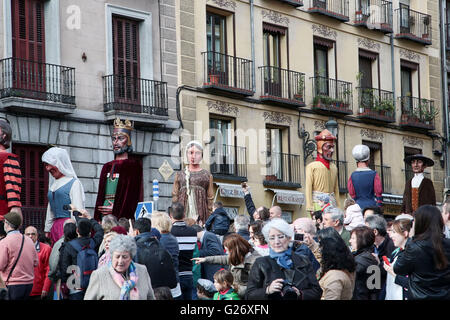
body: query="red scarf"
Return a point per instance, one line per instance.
(324, 161)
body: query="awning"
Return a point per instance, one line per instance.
(392, 199)
(288, 196)
(228, 190)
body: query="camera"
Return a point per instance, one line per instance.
(288, 292)
(298, 237)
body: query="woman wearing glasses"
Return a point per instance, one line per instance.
(282, 274)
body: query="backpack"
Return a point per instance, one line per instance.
(158, 262)
(87, 261)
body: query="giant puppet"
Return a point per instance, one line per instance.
(120, 185)
(321, 174)
(193, 186)
(418, 190)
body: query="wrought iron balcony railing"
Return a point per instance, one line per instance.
(376, 104)
(122, 93)
(413, 25)
(282, 86)
(374, 14)
(295, 3)
(37, 80)
(228, 160)
(385, 174)
(337, 9)
(417, 113)
(332, 95)
(283, 167)
(229, 73)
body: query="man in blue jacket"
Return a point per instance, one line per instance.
(210, 246)
(218, 222)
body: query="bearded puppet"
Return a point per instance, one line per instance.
(321, 174)
(120, 185)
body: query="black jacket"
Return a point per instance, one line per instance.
(265, 270)
(157, 260)
(385, 249)
(364, 259)
(218, 222)
(426, 282)
(69, 254)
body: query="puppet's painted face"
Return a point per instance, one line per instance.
(53, 170)
(417, 166)
(119, 142)
(328, 150)
(194, 155)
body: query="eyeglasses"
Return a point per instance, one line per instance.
(30, 234)
(279, 237)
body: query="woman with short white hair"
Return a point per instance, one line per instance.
(282, 274)
(121, 278)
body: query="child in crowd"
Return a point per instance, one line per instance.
(205, 289)
(260, 244)
(223, 281)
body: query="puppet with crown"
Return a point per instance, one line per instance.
(119, 189)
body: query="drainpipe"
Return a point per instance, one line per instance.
(445, 118)
(392, 55)
(252, 27)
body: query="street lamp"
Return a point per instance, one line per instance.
(332, 126)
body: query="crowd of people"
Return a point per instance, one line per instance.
(349, 254)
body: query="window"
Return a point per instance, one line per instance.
(222, 149)
(321, 69)
(365, 69)
(375, 154)
(34, 184)
(404, 18)
(216, 45)
(272, 43)
(28, 44)
(274, 152)
(126, 59)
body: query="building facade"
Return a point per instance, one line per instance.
(68, 68)
(259, 79)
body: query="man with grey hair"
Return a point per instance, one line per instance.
(334, 217)
(383, 245)
(241, 223)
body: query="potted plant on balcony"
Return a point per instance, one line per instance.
(300, 88)
(322, 101)
(358, 16)
(214, 78)
(428, 114)
(426, 22)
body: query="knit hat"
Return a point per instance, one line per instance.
(13, 218)
(361, 153)
(207, 285)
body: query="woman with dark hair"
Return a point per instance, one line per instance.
(240, 257)
(362, 240)
(425, 259)
(337, 267)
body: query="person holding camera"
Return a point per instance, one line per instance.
(65, 189)
(282, 275)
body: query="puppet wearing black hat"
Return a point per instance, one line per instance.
(418, 190)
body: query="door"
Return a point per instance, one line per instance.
(222, 151)
(274, 153)
(34, 184)
(406, 89)
(405, 21)
(272, 62)
(321, 70)
(216, 47)
(28, 44)
(126, 62)
(365, 69)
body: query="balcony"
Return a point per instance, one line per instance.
(342, 175)
(37, 87)
(282, 170)
(413, 25)
(331, 96)
(282, 87)
(227, 74)
(376, 105)
(229, 162)
(374, 14)
(295, 3)
(337, 9)
(385, 175)
(141, 100)
(417, 114)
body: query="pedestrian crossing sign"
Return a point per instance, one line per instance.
(144, 210)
